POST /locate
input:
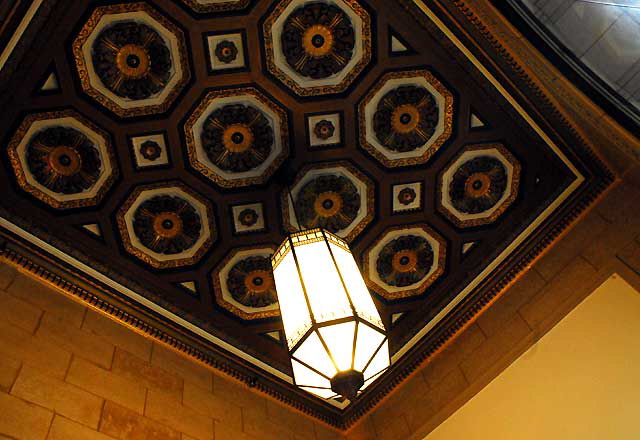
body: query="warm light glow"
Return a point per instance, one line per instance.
(330, 320)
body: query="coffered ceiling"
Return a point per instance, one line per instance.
(148, 147)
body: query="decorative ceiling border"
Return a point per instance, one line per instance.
(93, 288)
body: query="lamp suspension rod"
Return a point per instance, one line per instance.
(293, 206)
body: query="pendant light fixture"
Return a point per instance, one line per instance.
(337, 342)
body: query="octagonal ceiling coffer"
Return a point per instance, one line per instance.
(131, 59)
(237, 137)
(244, 285)
(63, 159)
(166, 225)
(479, 185)
(405, 261)
(317, 47)
(335, 196)
(405, 118)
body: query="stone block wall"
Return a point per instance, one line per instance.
(69, 373)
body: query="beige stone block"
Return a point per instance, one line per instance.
(47, 298)
(135, 369)
(450, 357)
(326, 433)
(576, 280)
(166, 410)
(494, 348)
(124, 424)
(184, 367)
(396, 428)
(9, 368)
(588, 229)
(23, 420)
(239, 393)
(630, 256)
(499, 313)
(442, 394)
(76, 340)
(397, 402)
(117, 334)
(21, 345)
(64, 429)
(602, 251)
(362, 430)
(7, 275)
(617, 205)
(106, 384)
(218, 408)
(260, 426)
(301, 425)
(225, 432)
(36, 386)
(18, 312)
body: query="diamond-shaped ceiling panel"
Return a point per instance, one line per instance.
(176, 127)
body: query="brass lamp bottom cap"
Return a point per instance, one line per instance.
(347, 383)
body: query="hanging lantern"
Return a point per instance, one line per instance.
(337, 342)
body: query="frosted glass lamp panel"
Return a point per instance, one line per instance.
(367, 343)
(379, 362)
(306, 376)
(339, 340)
(321, 280)
(312, 353)
(325, 394)
(358, 290)
(293, 306)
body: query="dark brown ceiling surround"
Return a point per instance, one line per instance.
(147, 173)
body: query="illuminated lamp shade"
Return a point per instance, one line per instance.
(337, 342)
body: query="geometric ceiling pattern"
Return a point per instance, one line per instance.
(161, 165)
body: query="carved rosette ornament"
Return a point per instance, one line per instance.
(132, 67)
(479, 185)
(335, 196)
(132, 60)
(405, 118)
(150, 150)
(62, 159)
(226, 51)
(407, 196)
(250, 282)
(328, 201)
(237, 138)
(248, 217)
(166, 225)
(324, 129)
(318, 40)
(404, 261)
(244, 285)
(317, 47)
